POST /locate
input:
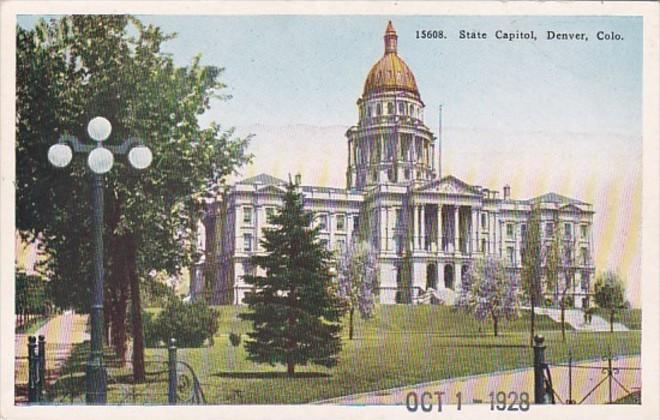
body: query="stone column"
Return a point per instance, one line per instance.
(256, 244)
(473, 231)
(498, 237)
(422, 225)
(458, 268)
(440, 228)
(456, 226)
(383, 230)
(389, 231)
(415, 227)
(441, 275)
(331, 241)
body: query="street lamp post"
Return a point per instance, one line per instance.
(100, 160)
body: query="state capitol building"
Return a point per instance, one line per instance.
(396, 192)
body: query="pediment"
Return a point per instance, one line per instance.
(272, 189)
(448, 185)
(570, 208)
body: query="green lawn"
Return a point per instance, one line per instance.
(401, 345)
(631, 318)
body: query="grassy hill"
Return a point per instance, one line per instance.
(401, 345)
(406, 319)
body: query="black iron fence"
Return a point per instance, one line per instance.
(547, 392)
(165, 381)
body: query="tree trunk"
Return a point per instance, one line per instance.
(136, 313)
(290, 368)
(531, 336)
(119, 302)
(495, 325)
(350, 323)
(563, 327)
(611, 320)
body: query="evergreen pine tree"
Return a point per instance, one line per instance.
(293, 308)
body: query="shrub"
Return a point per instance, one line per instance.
(150, 327)
(235, 339)
(189, 323)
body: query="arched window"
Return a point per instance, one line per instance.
(402, 108)
(390, 108)
(379, 109)
(369, 111)
(412, 110)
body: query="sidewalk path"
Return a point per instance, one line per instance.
(61, 333)
(575, 318)
(479, 387)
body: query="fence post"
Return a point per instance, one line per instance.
(570, 378)
(609, 376)
(32, 370)
(41, 381)
(171, 390)
(539, 364)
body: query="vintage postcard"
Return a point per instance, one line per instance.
(329, 210)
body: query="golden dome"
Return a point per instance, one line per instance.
(390, 72)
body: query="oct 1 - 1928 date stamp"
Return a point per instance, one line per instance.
(428, 401)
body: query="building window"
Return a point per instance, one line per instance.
(340, 244)
(270, 212)
(390, 108)
(356, 223)
(568, 230)
(369, 111)
(509, 230)
(549, 229)
(247, 215)
(323, 221)
(584, 256)
(379, 109)
(247, 242)
(483, 245)
(406, 173)
(523, 230)
(412, 110)
(483, 220)
(341, 222)
(402, 108)
(390, 174)
(510, 254)
(398, 220)
(398, 244)
(583, 231)
(324, 242)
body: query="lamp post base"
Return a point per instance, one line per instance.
(97, 379)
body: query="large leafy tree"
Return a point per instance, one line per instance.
(72, 69)
(357, 279)
(489, 290)
(609, 293)
(294, 310)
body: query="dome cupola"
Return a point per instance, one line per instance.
(390, 73)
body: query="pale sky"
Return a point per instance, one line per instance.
(562, 116)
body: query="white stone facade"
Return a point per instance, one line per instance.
(417, 220)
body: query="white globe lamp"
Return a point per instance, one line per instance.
(99, 128)
(140, 157)
(100, 160)
(59, 155)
